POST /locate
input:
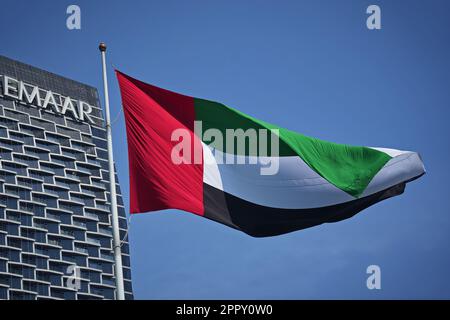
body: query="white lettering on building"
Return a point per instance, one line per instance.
(46, 99)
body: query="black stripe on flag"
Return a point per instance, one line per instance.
(260, 221)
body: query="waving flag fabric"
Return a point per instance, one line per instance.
(315, 181)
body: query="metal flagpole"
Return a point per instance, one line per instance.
(120, 295)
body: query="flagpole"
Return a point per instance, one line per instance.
(120, 295)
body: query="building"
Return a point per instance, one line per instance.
(55, 230)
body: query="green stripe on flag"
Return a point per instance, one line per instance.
(347, 167)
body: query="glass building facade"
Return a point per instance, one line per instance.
(55, 219)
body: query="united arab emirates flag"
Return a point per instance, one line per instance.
(289, 183)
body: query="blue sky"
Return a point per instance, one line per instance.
(310, 66)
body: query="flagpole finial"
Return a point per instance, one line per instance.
(102, 46)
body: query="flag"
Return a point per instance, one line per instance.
(199, 156)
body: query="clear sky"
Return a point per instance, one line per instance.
(310, 66)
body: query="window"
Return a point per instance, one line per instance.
(57, 139)
(28, 259)
(28, 109)
(79, 155)
(66, 162)
(7, 103)
(47, 125)
(9, 123)
(16, 243)
(52, 147)
(25, 159)
(3, 132)
(36, 132)
(98, 132)
(83, 199)
(122, 223)
(23, 193)
(96, 111)
(42, 251)
(26, 220)
(76, 259)
(22, 117)
(25, 138)
(86, 138)
(125, 248)
(73, 186)
(80, 126)
(20, 169)
(47, 177)
(5, 153)
(12, 281)
(126, 273)
(37, 209)
(27, 246)
(39, 153)
(8, 177)
(75, 208)
(92, 275)
(28, 272)
(55, 118)
(11, 144)
(46, 199)
(102, 154)
(62, 294)
(89, 149)
(88, 169)
(8, 201)
(95, 265)
(78, 175)
(100, 143)
(40, 288)
(69, 132)
(2, 266)
(59, 192)
(12, 254)
(35, 185)
(103, 164)
(40, 236)
(98, 291)
(127, 286)
(56, 169)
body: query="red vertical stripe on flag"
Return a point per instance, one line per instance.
(151, 116)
